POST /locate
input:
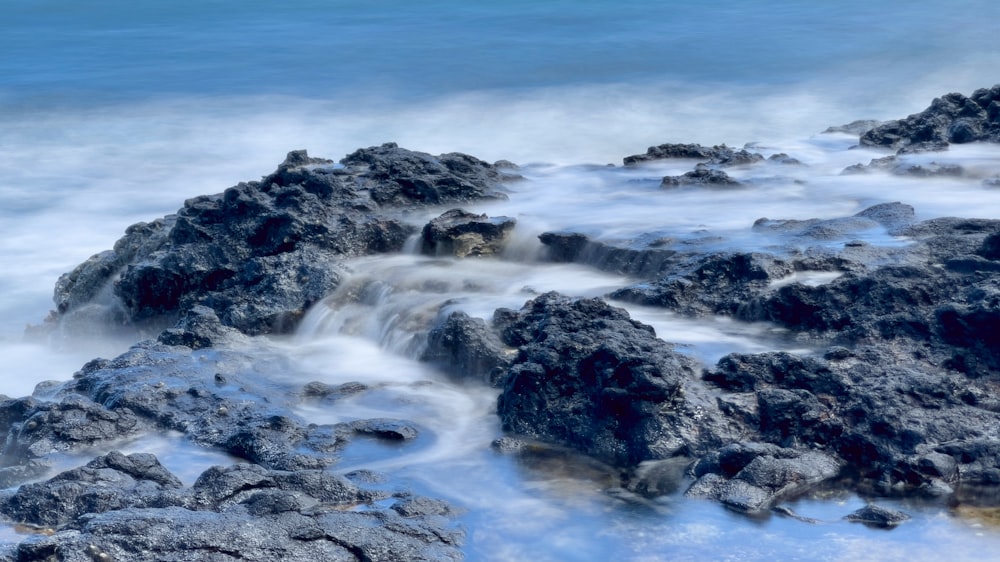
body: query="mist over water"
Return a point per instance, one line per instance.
(115, 113)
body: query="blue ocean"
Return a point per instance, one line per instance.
(115, 112)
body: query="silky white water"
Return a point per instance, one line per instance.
(115, 113)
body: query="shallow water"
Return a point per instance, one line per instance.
(112, 114)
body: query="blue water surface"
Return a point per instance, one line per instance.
(103, 51)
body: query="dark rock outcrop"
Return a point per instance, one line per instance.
(128, 508)
(750, 477)
(903, 399)
(720, 155)
(107, 483)
(709, 284)
(463, 234)
(588, 377)
(35, 429)
(701, 175)
(877, 516)
(935, 292)
(905, 402)
(468, 349)
(680, 277)
(220, 396)
(952, 118)
(641, 259)
(895, 422)
(262, 252)
(212, 384)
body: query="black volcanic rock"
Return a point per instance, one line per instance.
(463, 234)
(204, 380)
(720, 155)
(468, 349)
(107, 483)
(936, 292)
(952, 118)
(640, 260)
(897, 387)
(394, 176)
(877, 516)
(750, 477)
(588, 377)
(905, 401)
(895, 420)
(714, 283)
(124, 508)
(262, 252)
(34, 429)
(701, 175)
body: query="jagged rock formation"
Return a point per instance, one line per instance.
(199, 380)
(463, 234)
(952, 118)
(262, 252)
(898, 391)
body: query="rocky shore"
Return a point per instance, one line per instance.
(899, 395)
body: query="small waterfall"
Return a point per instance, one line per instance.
(394, 300)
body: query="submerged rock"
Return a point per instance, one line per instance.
(858, 127)
(877, 516)
(641, 260)
(899, 167)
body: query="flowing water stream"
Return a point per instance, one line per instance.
(112, 114)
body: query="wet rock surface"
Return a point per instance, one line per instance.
(903, 395)
(278, 502)
(750, 477)
(468, 349)
(877, 516)
(895, 394)
(708, 171)
(642, 259)
(904, 398)
(952, 118)
(701, 175)
(900, 167)
(720, 155)
(588, 377)
(122, 507)
(207, 280)
(463, 234)
(262, 252)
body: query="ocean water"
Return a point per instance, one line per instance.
(113, 113)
